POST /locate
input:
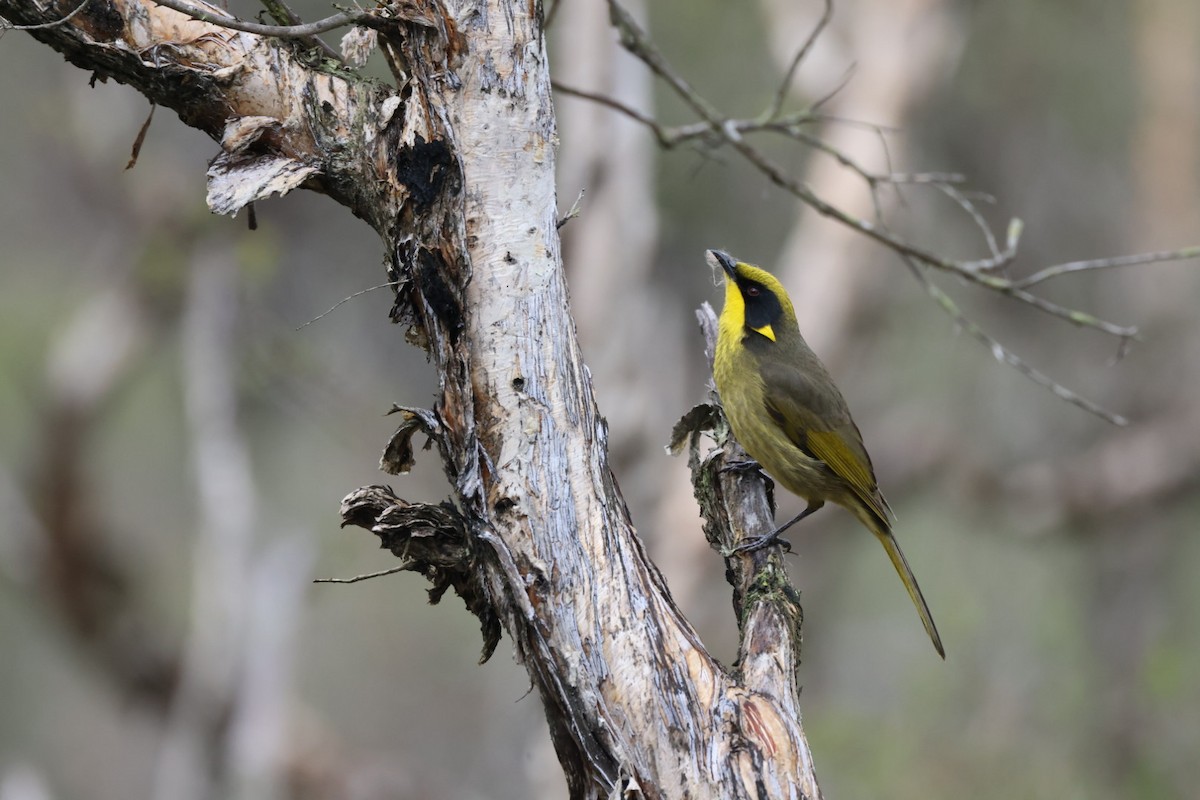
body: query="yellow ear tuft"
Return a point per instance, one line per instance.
(766, 331)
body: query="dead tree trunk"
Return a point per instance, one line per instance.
(454, 168)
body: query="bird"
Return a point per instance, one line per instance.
(787, 413)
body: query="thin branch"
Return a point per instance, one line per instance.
(836, 90)
(635, 41)
(367, 576)
(6, 25)
(968, 206)
(856, 123)
(574, 210)
(1003, 354)
(284, 15)
(817, 143)
(927, 177)
(977, 270)
(665, 135)
(1183, 254)
(791, 126)
(785, 85)
(340, 20)
(1079, 318)
(345, 300)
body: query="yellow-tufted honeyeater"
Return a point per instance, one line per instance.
(788, 414)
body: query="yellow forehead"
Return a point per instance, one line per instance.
(758, 275)
(751, 272)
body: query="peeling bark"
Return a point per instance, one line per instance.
(455, 171)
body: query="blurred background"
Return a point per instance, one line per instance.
(174, 445)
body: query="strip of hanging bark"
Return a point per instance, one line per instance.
(398, 457)
(140, 139)
(431, 540)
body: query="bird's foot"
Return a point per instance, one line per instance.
(741, 465)
(759, 542)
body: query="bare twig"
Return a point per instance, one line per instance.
(6, 25)
(347, 299)
(792, 126)
(284, 15)
(574, 210)
(1079, 318)
(1003, 354)
(927, 177)
(835, 91)
(665, 135)
(1183, 254)
(968, 206)
(367, 576)
(305, 31)
(785, 85)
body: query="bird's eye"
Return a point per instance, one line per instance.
(753, 291)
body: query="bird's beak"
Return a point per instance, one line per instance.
(725, 261)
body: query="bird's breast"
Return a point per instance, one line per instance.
(740, 385)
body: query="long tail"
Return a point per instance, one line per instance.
(883, 533)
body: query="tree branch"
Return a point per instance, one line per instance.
(785, 85)
(6, 25)
(282, 13)
(224, 19)
(1058, 270)
(1003, 354)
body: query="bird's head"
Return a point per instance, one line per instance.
(754, 299)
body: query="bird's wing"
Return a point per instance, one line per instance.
(819, 424)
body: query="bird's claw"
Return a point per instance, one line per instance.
(759, 542)
(741, 465)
